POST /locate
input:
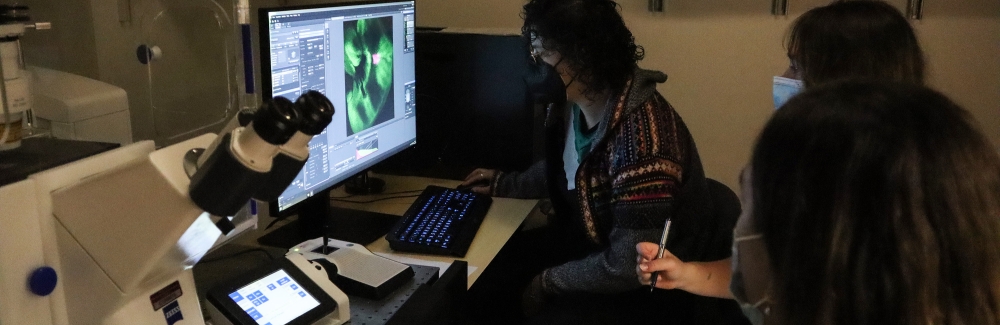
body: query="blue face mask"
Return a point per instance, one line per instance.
(785, 89)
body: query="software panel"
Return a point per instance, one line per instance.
(361, 56)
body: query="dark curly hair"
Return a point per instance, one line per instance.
(591, 37)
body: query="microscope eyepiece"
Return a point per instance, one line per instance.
(277, 121)
(317, 112)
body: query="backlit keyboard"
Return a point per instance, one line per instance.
(441, 221)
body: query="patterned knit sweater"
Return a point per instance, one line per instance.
(643, 167)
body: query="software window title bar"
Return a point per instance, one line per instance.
(311, 14)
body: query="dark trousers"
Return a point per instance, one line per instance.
(495, 298)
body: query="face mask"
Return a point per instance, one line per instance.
(737, 286)
(544, 83)
(785, 89)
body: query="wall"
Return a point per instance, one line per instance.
(721, 54)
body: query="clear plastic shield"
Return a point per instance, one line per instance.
(193, 66)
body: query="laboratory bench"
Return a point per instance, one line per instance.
(425, 298)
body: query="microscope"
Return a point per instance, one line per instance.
(112, 238)
(15, 97)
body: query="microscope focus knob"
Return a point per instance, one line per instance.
(42, 281)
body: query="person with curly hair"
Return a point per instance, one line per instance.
(619, 161)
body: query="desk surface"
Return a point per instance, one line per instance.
(503, 219)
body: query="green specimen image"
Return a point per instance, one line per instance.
(368, 72)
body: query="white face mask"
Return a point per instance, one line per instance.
(737, 286)
(784, 89)
(751, 243)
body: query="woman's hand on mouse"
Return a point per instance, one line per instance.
(479, 180)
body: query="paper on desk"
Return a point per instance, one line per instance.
(442, 266)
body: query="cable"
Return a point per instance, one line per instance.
(341, 199)
(390, 193)
(402, 192)
(238, 254)
(376, 200)
(275, 221)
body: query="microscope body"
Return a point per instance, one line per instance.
(112, 238)
(116, 228)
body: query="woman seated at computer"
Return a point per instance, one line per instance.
(619, 162)
(870, 203)
(845, 40)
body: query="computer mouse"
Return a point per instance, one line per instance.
(468, 188)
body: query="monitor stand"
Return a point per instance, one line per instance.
(362, 184)
(316, 217)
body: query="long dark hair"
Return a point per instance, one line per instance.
(879, 204)
(591, 37)
(855, 40)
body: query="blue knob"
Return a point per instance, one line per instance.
(43, 281)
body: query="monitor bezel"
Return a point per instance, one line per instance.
(267, 93)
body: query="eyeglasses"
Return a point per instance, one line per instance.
(536, 55)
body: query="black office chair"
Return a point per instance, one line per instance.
(726, 210)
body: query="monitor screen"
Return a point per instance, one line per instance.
(361, 56)
(275, 299)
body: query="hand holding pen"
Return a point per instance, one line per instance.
(659, 253)
(659, 268)
(654, 258)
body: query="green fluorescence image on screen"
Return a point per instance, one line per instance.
(368, 72)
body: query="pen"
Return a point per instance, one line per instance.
(659, 254)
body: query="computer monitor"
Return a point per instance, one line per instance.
(361, 56)
(475, 110)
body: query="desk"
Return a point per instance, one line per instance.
(503, 219)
